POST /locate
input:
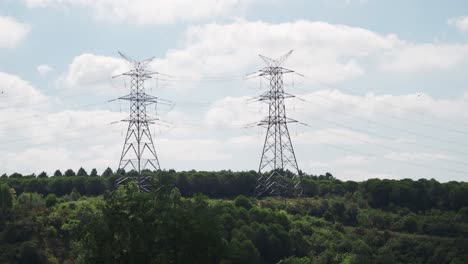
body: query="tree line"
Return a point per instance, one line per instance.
(417, 195)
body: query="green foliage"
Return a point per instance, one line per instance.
(93, 173)
(42, 175)
(108, 172)
(376, 221)
(6, 198)
(51, 200)
(69, 173)
(75, 195)
(16, 175)
(241, 252)
(81, 172)
(30, 201)
(242, 201)
(29, 253)
(129, 222)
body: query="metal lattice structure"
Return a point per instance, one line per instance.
(279, 173)
(139, 151)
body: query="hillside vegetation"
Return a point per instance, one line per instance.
(207, 217)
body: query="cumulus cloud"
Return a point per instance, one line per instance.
(343, 107)
(144, 12)
(407, 156)
(327, 53)
(321, 102)
(44, 69)
(346, 161)
(93, 71)
(324, 52)
(423, 57)
(12, 32)
(461, 23)
(18, 93)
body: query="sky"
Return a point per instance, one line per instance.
(382, 85)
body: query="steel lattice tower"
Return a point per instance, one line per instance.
(139, 152)
(278, 157)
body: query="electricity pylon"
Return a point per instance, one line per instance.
(279, 173)
(139, 152)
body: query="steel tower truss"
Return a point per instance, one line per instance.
(139, 151)
(279, 173)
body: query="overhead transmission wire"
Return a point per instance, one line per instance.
(384, 124)
(382, 146)
(396, 107)
(388, 148)
(379, 123)
(244, 78)
(392, 159)
(51, 95)
(47, 122)
(95, 133)
(396, 160)
(384, 136)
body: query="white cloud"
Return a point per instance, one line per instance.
(327, 53)
(12, 32)
(424, 57)
(461, 23)
(320, 103)
(335, 108)
(18, 94)
(412, 156)
(144, 12)
(362, 175)
(346, 161)
(44, 69)
(234, 112)
(335, 136)
(324, 52)
(92, 71)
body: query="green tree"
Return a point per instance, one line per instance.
(57, 173)
(51, 200)
(81, 172)
(16, 175)
(6, 199)
(93, 173)
(42, 175)
(75, 195)
(108, 172)
(29, 253)
(130, 221)
(94, 186)
(29, 201)
(69, 173)
(410, 224)
(241, 252)
(242, 201)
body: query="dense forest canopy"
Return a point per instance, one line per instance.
(208, 217)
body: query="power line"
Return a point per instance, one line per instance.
(386, 125)
(380, 145)
(386, 137)
(397, 160)
(398, 107)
